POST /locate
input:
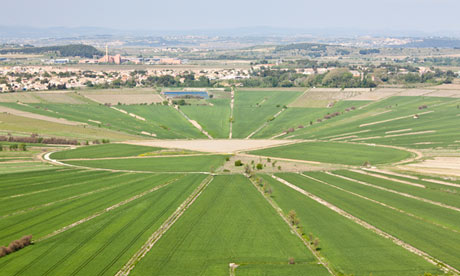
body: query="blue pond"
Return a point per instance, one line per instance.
(203, 94)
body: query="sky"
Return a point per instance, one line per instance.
(428, 16)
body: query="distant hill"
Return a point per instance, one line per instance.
(432, 43)
(73, 50)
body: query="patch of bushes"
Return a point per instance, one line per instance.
(16, 245)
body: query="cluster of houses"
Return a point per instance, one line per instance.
(38, 78)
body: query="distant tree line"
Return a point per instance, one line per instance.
(35, 139)
(72, 50)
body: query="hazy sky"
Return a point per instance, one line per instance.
(418, 15)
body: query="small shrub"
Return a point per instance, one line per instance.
(259, 166)
(238, 163)
(227, 158)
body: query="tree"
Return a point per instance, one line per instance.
(22, 147)
(238, 163)
(259, 166)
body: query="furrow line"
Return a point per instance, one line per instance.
(106, 210)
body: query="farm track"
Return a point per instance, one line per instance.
(381, 203)
(396, 192)
(272, 203)
(108, 209)
(148, 245)
(445, 267)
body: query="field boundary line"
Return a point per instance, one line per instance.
(169, 222)
(396, 192)
(106, 210)
(232, 104)
(390, 178)
(438, 263)
(395, 119)
(440, 182)
(265, 124)
(272, 203)
(380, 203)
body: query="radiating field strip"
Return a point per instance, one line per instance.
(65, 199)
(433, 192)
(383, 204)
(264, 124)
(396, 192)
(391, 173)
(108, 209)
(320, 259)
(45, 190)
(349, 248)
(389, 178)
(102, 246)
(240, 227)
(441, 182)
(429, 238)
(43, 221)
(140, 254)
(395, 119)
(70, 180)
(447, 268)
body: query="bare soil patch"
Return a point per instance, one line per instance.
(124, 98)
(214, 146)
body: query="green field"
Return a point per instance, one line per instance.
(202, 163)
(363, 253)
(338, 153)
(439, 242)
(240, 228)
(254, 108)
(105, 243)
(185, 210)
(103, 151)
(214, 119)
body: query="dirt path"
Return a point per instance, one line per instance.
(232, 104)
(396, 192)
(153, 239)
(194, 123)
(264, 124)
(315, 253)
(445, 267)
(381, 204)
(106, 210)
